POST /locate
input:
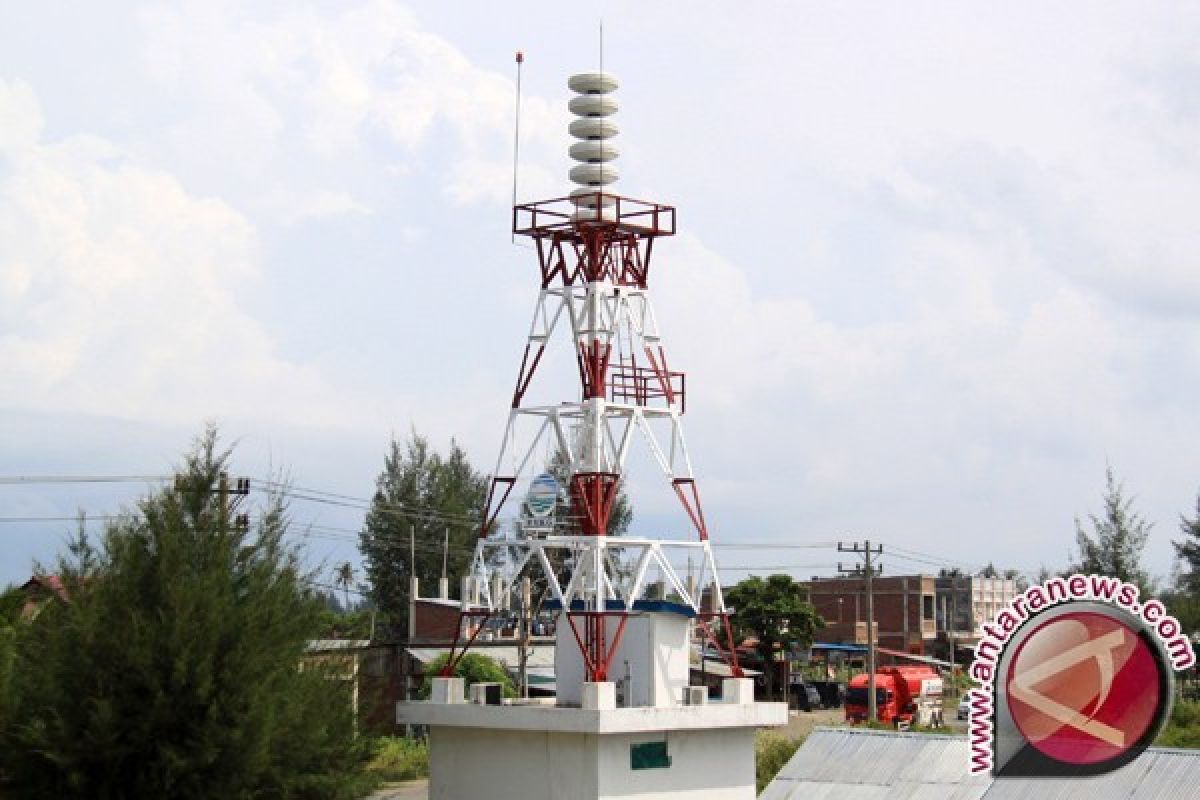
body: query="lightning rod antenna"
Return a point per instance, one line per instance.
(517, 134)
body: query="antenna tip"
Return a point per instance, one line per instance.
(520, 57)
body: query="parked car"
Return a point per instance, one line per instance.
(805, 697)
(964, 708)
(833, 694)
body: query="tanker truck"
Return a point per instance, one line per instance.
(903, 696)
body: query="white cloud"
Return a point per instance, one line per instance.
(309, 87)
(121, 289)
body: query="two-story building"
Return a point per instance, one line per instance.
(905, 611)
(964, 604)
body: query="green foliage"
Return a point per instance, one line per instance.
(343, 577)
(8, 653)
(1187, 550)
(1185, 607)
(173, 669)
(343, 625)
(414, 480)
(776, 612)
(1183, 728)
(400, 759)
(12, 601)
(472, 668)
(1117, 540)
(771, 753)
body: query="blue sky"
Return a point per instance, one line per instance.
(936, 270)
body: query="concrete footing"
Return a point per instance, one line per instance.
(600, 696)
(447, 691)
(739, 691)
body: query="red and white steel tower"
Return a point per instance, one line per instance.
(594, 251)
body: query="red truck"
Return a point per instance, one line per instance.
(903, 696)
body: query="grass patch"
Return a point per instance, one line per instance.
(1183, 728)
(399, 759)
(771, 752)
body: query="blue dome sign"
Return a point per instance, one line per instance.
(543, 494)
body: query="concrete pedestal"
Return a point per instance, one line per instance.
(531, 752)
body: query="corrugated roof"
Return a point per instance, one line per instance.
(1157, 774)
(331, 645)
(911, 657)
(539, 655)
(866, 764)
(720, 669)
(859, 764)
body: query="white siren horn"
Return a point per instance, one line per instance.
(592, 106)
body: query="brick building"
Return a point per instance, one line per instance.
(905, 611)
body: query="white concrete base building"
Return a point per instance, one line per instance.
(541, 752)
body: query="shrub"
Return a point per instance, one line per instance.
(771, 753)
(472, 668)
(399, 759)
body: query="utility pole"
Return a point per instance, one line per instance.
(867, 570)
(445, 552)
(523, 652)
(412, 550)
(229, 496)
(951, 629)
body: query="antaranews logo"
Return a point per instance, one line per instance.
(1076, 678)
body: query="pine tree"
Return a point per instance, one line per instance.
(171, 669)
(432, 499)
(1188, 552)
(1119, 536)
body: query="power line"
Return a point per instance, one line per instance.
(354, 532)
(771, 546)
(937, 560)
(270, 486)
(915, 560)
(364, 504)
(425, 514)
(53, 479)
(336, 499)
(76, 518)
(780, 567)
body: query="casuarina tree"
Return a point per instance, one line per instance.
(173, 664)
(1183, 600)
(1118, 537)
(423, 502)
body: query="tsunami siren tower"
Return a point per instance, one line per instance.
(627, 606)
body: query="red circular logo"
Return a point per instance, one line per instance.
(1083, 688)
